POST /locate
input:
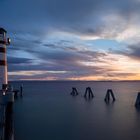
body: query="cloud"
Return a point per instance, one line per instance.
(133, 51)
(88, 19)
(79, 61)
(16, 61)
(51, 35)
(79, 16)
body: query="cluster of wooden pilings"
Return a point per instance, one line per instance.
(89, 94)
(110, 96)
(7, 98)
(74, 92)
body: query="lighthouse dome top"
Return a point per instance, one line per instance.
(2, 30)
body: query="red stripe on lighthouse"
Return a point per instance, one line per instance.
(2, 50)
(2, 42)
(3, 63)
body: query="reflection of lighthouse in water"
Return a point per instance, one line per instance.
(3, 59)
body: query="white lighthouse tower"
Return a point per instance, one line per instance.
(3, 59)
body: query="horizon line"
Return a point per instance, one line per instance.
(74, 80)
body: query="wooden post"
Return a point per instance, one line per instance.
(108, 94)
(15, 94)
(21, 91)
(88, 93)
(74, 91)
(137, 103)
(107, 97)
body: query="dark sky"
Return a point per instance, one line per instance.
(72, 39)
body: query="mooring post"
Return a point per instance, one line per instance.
(74, 91)
(112, 94)
(137, 103)
(85, 95)
(88, 93)
(15, 93)
(108, 94)
(92, 95)
(107, 97)
(21, 91)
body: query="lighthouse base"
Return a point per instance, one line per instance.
(4, 86)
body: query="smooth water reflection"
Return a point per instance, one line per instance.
(47, 111)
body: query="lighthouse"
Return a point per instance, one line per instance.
(4, 41)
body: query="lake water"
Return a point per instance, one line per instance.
(47, 111)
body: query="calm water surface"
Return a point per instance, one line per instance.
(48, 112)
